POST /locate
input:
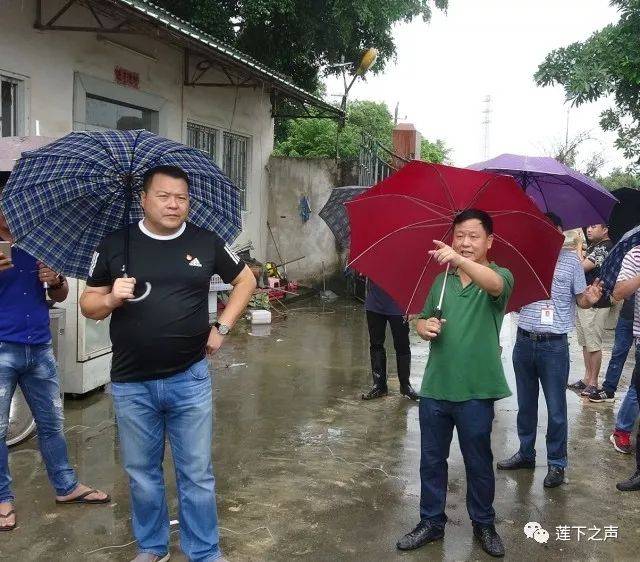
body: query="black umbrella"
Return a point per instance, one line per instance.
(626, 213)
(335, 215)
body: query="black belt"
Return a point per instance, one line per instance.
(535, 336)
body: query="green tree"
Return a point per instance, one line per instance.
(316, 138)
(300, 37)
(608, 63)
(434, 151)
(620, 178)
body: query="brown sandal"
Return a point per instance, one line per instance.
(82, 498)
(6, 516)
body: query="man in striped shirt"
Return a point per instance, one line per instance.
(541, 357)
(628, 283)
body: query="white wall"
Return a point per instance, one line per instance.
(291, 179)
(53, 62)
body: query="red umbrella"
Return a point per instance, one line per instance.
(394, 223)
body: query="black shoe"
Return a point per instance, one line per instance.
(515, 462)
(409, 392)
(578, 385)
(554, 477)
(375, 392)
(489, 539)
(425, 532)
(632, 484)
(601, 396)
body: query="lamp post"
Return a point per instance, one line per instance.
(366, 62)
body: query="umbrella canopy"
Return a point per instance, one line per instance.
(578, 200)
(394, 223)
(335, 214)
(63, 199)
(11, 148)
(613, 262)
(626, 212)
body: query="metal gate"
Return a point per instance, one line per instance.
(376, 162)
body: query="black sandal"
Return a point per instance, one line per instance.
(6, 516)
(82, 498)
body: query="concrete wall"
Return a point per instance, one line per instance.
(58, 69)
(289, 180)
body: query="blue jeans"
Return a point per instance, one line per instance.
(473, 420)
(629, 410)
(621, 346)
(179, 407)
(33, 367)
(542, 363)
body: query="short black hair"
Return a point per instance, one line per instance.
(555, 219)
(482, 216)
(171, 171)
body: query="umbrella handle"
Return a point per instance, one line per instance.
(144, 295)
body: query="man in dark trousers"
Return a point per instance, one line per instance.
(160, 377)
(381, 309)
(462, 380)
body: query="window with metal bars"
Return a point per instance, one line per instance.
(204, 138)
(9, 103)
(235, 162)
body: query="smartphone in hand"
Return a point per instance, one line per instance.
(5, 250)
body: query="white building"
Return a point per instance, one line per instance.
(91, 65)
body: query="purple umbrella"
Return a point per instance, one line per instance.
(578, 200)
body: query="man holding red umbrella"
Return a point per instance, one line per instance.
(462, 317)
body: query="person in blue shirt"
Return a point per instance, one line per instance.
(541, 359)
(381, 309)
(26, 359)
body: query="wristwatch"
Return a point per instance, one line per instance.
(223, 329)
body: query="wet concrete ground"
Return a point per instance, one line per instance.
(307, 471)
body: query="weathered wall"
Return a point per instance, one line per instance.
(58, 70)
(289, 180)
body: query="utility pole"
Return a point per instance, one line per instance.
(396, 115)
(486, 122)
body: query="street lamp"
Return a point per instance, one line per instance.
(366, 62)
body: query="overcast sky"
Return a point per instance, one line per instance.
(444, 70)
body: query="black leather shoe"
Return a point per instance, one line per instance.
(409, 392)
(554, 477)
(489, 539)
(632, 484)
(515, 462)
(424, 533)
(375, 392)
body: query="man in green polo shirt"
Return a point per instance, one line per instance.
(463, 378)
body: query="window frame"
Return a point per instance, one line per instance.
(21, 102)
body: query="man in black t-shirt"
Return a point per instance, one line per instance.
(591, 323)
(160, 378)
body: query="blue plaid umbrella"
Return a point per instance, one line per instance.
(335, 215)
(63, 199)
(613, 262)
